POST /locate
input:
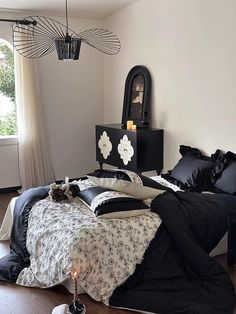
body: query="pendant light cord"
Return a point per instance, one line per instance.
(66, 19)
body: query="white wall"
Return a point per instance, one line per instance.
(71, 94)
(189, 46)
(71, 99)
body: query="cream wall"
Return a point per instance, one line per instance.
(71, 99)
(71, 94)
(189, 46)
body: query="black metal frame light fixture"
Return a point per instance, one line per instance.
(37, 36)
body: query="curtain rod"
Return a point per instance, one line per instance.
(21, 22)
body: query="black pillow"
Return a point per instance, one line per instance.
(107, 203)
(195, 171)
(227, 180)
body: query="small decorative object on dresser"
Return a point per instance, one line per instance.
(129, 124)
(140, 150)
(136, 106)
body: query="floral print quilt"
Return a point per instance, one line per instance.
(65, 236)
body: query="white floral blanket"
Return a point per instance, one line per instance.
(62, 236)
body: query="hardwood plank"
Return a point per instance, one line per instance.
(15, 299)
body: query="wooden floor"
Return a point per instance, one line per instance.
(20, 300)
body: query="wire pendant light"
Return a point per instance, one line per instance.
(37, 36)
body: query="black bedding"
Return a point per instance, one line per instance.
(176, 274)
(12, 264)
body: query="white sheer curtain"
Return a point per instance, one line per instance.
(34, 163)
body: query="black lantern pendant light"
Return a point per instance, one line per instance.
(37, 36)
(68, 47)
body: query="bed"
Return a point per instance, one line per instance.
(139, 243)
(5, 230)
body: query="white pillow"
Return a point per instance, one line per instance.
(137, 185)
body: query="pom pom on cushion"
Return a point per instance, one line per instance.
(60, 192)
(63, 192)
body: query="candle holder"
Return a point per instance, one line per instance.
(77, 308)
(145, 122)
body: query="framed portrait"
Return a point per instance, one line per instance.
(136, 105)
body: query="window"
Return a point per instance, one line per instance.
(8, 124)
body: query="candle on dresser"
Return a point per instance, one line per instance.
(134, 127)
(129, 124)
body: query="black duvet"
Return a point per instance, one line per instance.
(12, 264)
(176, 274)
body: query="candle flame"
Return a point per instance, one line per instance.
(74, 274)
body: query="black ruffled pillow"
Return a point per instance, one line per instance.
(106, 203)
(227, 180)
(137, 185)
(195, 171)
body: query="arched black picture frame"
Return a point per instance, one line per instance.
(137, 96)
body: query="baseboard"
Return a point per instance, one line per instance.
(9, 189)
(16, 188)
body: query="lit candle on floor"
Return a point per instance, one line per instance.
(129, 124)
(134, 127)
(74, 276)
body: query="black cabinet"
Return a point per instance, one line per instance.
(138, 151)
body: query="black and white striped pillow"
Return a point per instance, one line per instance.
(107, 203)
(137, 185)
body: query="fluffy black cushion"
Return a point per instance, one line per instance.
(107, 203)
(195, 171)
(227, 180)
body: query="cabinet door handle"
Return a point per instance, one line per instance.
(105, 145)
(125, 149)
